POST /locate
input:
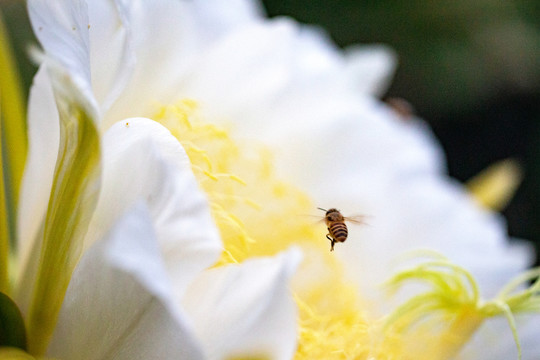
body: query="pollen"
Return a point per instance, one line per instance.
(258, 214)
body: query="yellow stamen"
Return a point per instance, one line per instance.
(257, 214)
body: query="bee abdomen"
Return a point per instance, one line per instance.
(338, 231)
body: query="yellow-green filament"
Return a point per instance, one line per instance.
(453, 299)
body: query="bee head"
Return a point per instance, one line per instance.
(329, 211)
(332, 210)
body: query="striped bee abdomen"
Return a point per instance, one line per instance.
(338, 230)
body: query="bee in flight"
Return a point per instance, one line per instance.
(337, 229)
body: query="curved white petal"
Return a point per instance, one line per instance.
(286, 59)
(166, 37)
(62, 28)
(43, 141)
(142, 160)
(112, 58)
(380, 167)
(247, 310)
(360, 147)
(430, 213)
(370, 68)
(119, 304)
(363, 159)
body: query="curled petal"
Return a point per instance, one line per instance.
(246, 310)
(112, 58)
(62, 28)
(142, 160)
(119, 304)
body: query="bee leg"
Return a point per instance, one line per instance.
(332, 241)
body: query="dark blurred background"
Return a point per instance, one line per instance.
(471, 68)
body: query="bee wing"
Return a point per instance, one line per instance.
(356, 219)
(317, 218)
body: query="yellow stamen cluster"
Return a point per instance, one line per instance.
(257, 214)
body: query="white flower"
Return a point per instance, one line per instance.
(288, 87)
(127, 205)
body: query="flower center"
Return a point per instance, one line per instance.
(258, 214)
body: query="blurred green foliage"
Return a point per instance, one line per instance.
(453, 54)
(18, 24)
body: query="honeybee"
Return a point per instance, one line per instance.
(337, 229)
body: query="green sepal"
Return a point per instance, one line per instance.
(12, 330)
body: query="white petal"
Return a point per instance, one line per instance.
(246, 310)
(387, 169)
(361, 141)
(370, 68)
(494, 340)
(43, 142)
(112, 57)
(528, 327)
(142, 160)
(430, 213)
(157, 31)
(363, 159)
(166, 37)
(62, 29)
(119, 304)
(276, 53)
(220, 16)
